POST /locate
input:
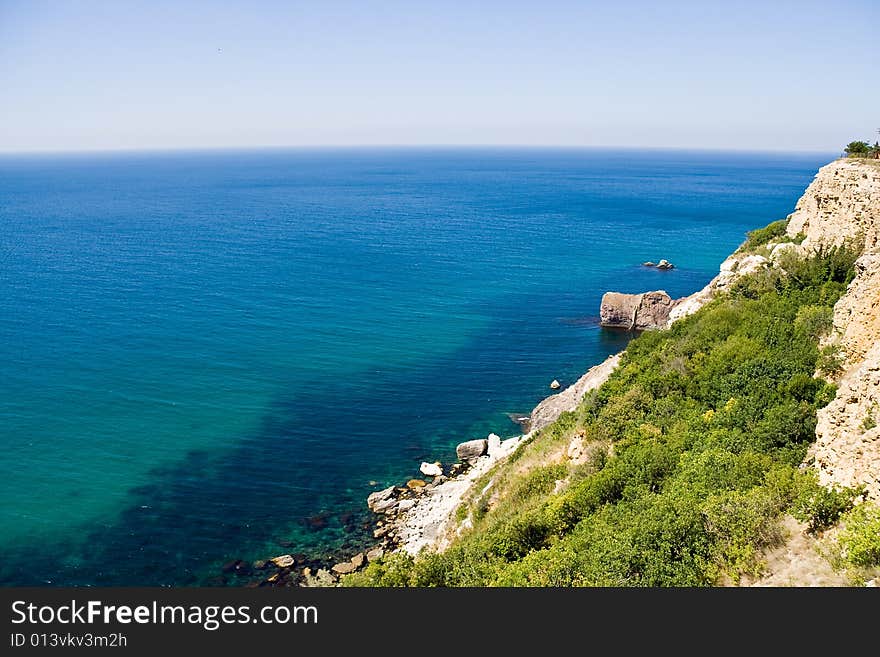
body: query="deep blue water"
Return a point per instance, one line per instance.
(203, 354)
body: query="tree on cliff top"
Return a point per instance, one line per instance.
(857, 149)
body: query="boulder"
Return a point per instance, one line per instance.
(344, 568)
(358, 560)
(431, 469)
(649, 264)
(406, 505)
(648, 310)
(654, 310)
(381, 500)
(665, 264)
(375, 553)
(413, 484)
(619, 310)
(494, 441)
(555, 385)
(284, 561)
(472, 449)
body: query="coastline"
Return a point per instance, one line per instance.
(420, 515)
(427, 515)
(429, 522)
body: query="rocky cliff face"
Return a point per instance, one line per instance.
(843, 203)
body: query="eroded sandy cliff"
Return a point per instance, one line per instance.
(843, 203)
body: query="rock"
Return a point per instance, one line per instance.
(781, 249)
(317, 522)
(284, 561)
(553, 406)
(413, 484)
(649, 264)
(648, 310)
(375, 553)
(405, 505)
(665, 264)
(381, 500)
(321, 578)
(472, 449)
(344, 568)
(260, 564)
(555, 385)
(494, 448)
(456, 469)
(431, 469)
(358, 560)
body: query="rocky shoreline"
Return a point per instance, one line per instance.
(420, 514)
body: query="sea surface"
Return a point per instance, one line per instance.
(208, 356)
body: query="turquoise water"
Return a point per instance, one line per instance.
(205, 355)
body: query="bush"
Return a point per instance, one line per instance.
(830, 362)
(761, 236)
(821, 507)
(860, 537)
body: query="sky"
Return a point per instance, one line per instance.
(126, 74)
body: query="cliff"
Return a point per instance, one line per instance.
(843, 204)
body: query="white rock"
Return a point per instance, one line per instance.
(494, 445)
(555, 385)
(431, 469)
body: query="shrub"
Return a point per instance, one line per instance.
(860, 537)
(761, 236)
(830, 361)
(821, 507)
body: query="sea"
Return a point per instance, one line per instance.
(211, 356)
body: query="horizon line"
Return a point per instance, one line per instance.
(392, 146)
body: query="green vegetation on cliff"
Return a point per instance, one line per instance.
(687, 456)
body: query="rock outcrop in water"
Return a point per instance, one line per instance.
(636, 312)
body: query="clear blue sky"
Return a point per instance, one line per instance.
(771, 74)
